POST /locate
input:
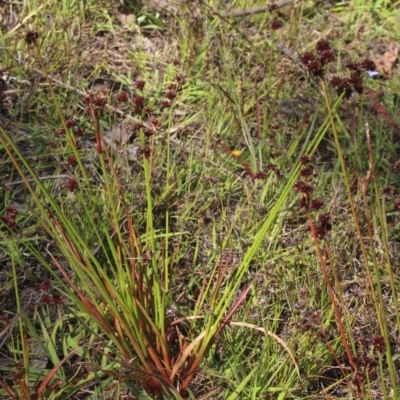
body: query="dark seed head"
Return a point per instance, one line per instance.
(307, 57)
(303, 187)
(122, 97)
(260, 175)
(316, 68)
(140, 85)
(322, 45)
(70, 123)
(71, 184)
(368, 65)
(276, 24)
(31, 37)
(316, 204)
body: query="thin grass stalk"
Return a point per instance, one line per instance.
(350, 197)
(25, 390)
(233, 97)
(270, 112)
(25, 353)
(22, 327)
(168, 183)
(381, 303)
(383, 224)
(151, 242)
(382, 376)
(200, 299)
(389, 266)
(345, 312)
(389, 272)
(165, 272)
(155, 290)
(332, 295)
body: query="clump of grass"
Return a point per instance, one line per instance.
(123, 287)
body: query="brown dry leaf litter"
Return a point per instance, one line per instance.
(385, 62)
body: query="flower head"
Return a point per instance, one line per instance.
(276, 24)
(303, 187)
(368, 65)
(237, 153)
(140, 85)
(316, 68)
(31, 37)
(307, 57)
(322, 45)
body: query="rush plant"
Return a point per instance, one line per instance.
(122, 286)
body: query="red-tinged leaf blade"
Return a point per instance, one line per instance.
(50, 376)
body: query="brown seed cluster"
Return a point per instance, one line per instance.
(323, 224)
(9, 218)
(354, 83)
(279, 17)
(366, 358)
(71, 184)
(31, 37)
(316, 62)
(49, 296)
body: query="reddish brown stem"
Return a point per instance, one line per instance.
(332, 295)
(244, 165)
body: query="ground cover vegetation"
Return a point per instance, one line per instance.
(199, 200)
